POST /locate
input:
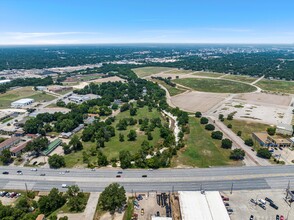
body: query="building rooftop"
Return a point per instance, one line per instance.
(22, 101)
(19, 147)
(285, 126)
(8, 141)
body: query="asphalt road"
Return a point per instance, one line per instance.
(242, 178)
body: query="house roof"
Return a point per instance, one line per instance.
(8, 141)
(18, 148)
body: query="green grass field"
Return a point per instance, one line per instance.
(25, 92)
(201, 149)
(276, 86)
(147, 71)
(241, 78)
(208, 74)
(114, 146)
(172, 90)
(215, 85)
(246, 127)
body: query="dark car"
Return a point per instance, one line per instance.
(227, 204)
(274, 206)
(144, 176)
(119, 172)
(118, 176)
(42, 174)
(5, 172)
(269, 200)
(251, 217)
(277, 217)
(262, 206)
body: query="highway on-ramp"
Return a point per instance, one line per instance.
(221, 178)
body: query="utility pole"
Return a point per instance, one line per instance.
(232, 188)
(26, 190)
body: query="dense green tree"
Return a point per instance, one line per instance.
(32, 126)
(56, 161)
(264, 153)
(5, 156)
(249, 142)
(112, 198)
(221, 117)
(217, 135)
(203, 120)
(52, 202)
(237, 154)
(125, 159)
(209, 127)
(76, 143)
(226, 143)
(121, 137)
(271, 130)
(132, 136)
(76, 200)
(239, 133)
(198, 114)
(38, 145)
(102, 159)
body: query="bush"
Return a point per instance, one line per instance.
(271, 130)
(230, 117)
(203, 120)
(237, 154)
(217, 135)
(230, 126)
(239, 133)
(227, 143)
(264, 153)
(56, 161)
(221, 117)
(249, 142)
(198, 114)
(209, 127)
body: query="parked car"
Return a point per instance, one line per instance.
(251, 217)
(5, 173)
(253, 201)
(230, 210)
(282, 217)
(277, 217)
(227, 204)
(157, 214)
(139, 197)
(262, 206)
(280, 148)
(226, 199)
(262, 201)
(274, 206)
(269, 200)
(142, 211)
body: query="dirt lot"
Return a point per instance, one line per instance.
(7, 201)
(266, 99)
(287, 155)
(102, 80)
(197, 101)
(243, 208)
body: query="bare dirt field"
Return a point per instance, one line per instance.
(197, 101)
(266, 99)
(101, 80)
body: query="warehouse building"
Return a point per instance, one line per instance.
(4, 81)
(284, 129)
(22, 103)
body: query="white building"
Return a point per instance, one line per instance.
(4, 81)
(284, 129)
(206, 206)
(22, 103)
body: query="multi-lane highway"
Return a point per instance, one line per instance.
(157, 180)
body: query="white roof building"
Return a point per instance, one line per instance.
(207, 206)
(285, 129)
(21, 103)
(5, 81)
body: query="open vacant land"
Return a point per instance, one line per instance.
(215, 85)
(276, 86)
(172, 90)
(201, 149)
(147, 71)
(207, 74)
(241, 78)
(197, 101)
(20, 93)
(264, 98)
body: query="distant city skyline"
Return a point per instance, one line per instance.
(33, 22)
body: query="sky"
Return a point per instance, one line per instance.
(26, 22)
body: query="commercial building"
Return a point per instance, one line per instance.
(284, 129)
(266, 140)
(51, 147)
(202, 206)
(17, 150)
(22, 103)
(9, 143)
(4, 81)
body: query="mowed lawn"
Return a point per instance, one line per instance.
(241, 78)
(215, 85)
(172, 90)
(247, 127)
(276, 86)
(208, 74)
(114, 146)
(201, 149)
(147, 71)
(20, 93)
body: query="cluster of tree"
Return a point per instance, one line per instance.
(37, 145)
(26, 82)
(166, 80)
(56, 161)
(264, 153)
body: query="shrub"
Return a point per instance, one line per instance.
(230, 126)
(217, 135)
(198, 114)
(249, 142)
(209, 127)
(237, 154)
(239, 133)
(271, 130)
(227, 143)
(203, 120)
(264, 153)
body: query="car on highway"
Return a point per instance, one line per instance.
(67, 171)
(251, 217)
(5, 173)
(34, 169)
(118, 176)
(19, 172)
(42, 174)
(64, 185)
(119, 172)
(144, 176)
(61, 173)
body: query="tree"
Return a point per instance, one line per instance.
(230, 126)
(121, 137)
(132, 136)
(37, 145)
(264, 153)
(237, 154)
(221, 117)
(230, 117)
(239, 133)
(76, 143)
(271, 131)
(227, 143)
(32, 126)
(198, 114)
(102, 159)
(76, 199)
(112, 198)
(5, 156)
(209, 127)
(133, 111)
(66, 149)
(249, 142)
(203, 120)
(125, 159)
(23, 204)
(217, 135)
(56, 161)
(52, 202)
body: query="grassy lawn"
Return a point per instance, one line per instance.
(172, 90)
(114, 146)
(147, 71)
(201, 149)
(63, 92)
(88, 78)
(208, 74)
(215, 85)
(241, 78)
(276, 86)
(25, 92)
(6, 120)
(246, 127)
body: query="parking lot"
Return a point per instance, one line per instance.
(8, 198)
(286, 155)
(239, 202)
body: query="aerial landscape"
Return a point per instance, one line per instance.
(143, 110)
